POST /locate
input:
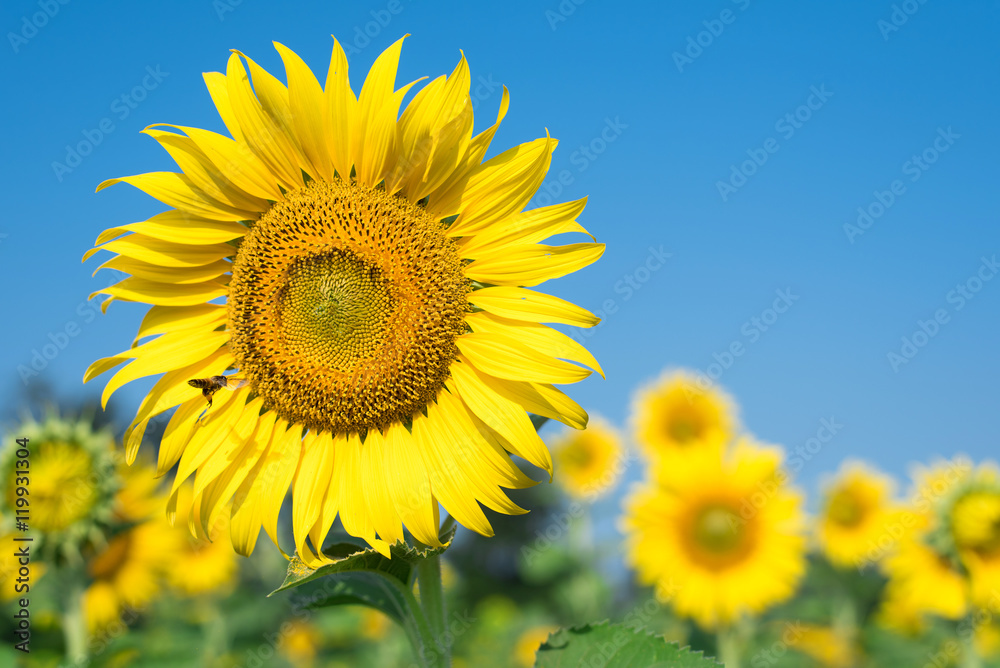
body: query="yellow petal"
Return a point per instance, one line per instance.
(235, 162)
(306, 104)
(160, 274)
(221, 490)
(180, 228)
(542, 399)
(447, 480)
(501, 186)
(164, 253)
(409, 487)
(219, 90)
(531, 264)
(171, 353)
(444, 201)
(542, 338)
(178, 191)
(338, 112)
(163, 294)
(530, 306)
(213, 463)
(505, 357)
(273, 98)
(262, 134)
(211, 431)
(312, 479)
(500, 414)
(374, 134)
(163, 319)
(528, 227)
(197, 166)
(175, 436)
(373, 480)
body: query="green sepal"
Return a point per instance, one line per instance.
(606, 645)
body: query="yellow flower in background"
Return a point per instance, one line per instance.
(528, 643)
(204, 562)
(721, 537)
(128, 573)
(373, 625)
(829, 647)
(72, 484)
(587, 463)
(678, 413)
(858, 519)
(10, 569)
(973, 517)
(300, 642)
(926, 581)
(896, 613)
(375, 272)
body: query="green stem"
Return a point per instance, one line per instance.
(433, 605)
(422, 639)
(730, 641)
(75, 625)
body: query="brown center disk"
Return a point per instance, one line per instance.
(344, 307)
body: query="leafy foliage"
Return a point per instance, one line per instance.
(607, 645)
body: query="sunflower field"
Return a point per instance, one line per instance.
(368, 380)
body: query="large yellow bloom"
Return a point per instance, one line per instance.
(722, 537)
(588, 463)
(858, 520)
(375, 272)
(678, 413)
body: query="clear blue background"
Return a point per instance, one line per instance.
(654, 185)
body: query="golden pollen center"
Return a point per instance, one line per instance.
(344, 307)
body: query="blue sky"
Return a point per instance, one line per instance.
(723, 145)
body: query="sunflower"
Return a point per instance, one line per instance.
(375, 271)
(300, 642)
(858, 516)
(72, 483)
(128, 573)
(588, 462)
(680, 412)
(973, 519)
(829, 647)
(721, 537)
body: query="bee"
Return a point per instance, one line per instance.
(213, 384)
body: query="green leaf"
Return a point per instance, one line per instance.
(606, 645)
(362, 576)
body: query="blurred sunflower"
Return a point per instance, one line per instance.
(721, 537)
(678, 412)
(586, 462)
(128, 573)
(858, 516)
(10, 569)
(72, 483)
(974, 519)
(300, 643)
(924, 569)
(375, 274)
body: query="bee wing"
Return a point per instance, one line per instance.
(235, 383)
